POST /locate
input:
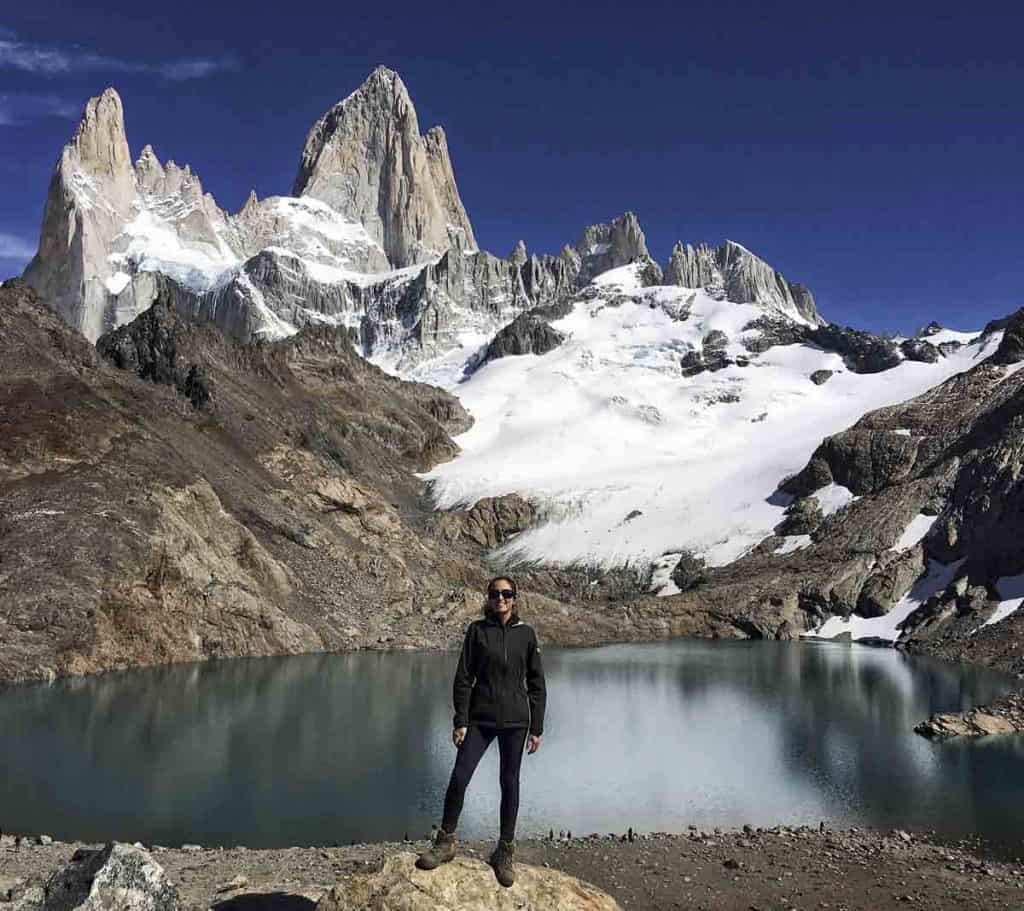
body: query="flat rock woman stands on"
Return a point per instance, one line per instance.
(499, 693)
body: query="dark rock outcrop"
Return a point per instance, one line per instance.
(1011, 348)
(528, 333)
(608, 246)
(770, 332)
(916, 349)
(819, 377)
(862, 352)
(148, 347)
(711, 356)
(689, 572)
(803, 516)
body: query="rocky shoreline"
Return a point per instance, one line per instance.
(1004, 715)
(749, 868)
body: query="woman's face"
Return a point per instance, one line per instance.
(500, 604)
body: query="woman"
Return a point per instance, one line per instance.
(499, 692)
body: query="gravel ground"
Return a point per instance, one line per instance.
(749, 870)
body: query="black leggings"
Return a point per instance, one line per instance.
(510, 747)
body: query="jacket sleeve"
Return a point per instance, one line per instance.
(464, 680)
(535, 687)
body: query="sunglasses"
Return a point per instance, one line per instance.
(505, 593)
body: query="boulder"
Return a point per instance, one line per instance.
(118, 877)
(463, 884)
(821, 376)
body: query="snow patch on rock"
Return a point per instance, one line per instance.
(936, 578)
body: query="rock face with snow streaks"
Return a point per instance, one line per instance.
(617, 243)
(951, 462)
(89, 199)
(738, 275)
(366, 159)
(376, 240)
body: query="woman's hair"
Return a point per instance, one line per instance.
(491, 584)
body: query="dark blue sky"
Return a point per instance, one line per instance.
(874, 153)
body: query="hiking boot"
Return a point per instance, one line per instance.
(502, 859)
(440, 852)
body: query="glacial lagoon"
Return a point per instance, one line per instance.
(329, 749)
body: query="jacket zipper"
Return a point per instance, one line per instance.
(504, 650)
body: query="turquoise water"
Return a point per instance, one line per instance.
(330, 749)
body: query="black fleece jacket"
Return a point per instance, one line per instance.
(499, 680)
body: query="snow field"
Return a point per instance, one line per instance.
(606, 424)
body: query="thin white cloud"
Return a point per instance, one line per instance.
(43, 60)
(21, 107)
(12, 247)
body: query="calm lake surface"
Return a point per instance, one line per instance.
(329, 749)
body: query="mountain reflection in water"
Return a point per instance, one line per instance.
(328, 749)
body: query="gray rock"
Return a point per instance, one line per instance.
(692, 363)
(714, 340)
(803, 516)
(1011, 348)
(89, 199)
(365, 158)
(689, 572)
(526, 334)
(818, 377)
(148, 347)
(711, 357)
(118, 877)
(916, 349)
(864, 460)
(608, 246)
(489, 522)
(890, 580)
(736, 274)
(771, 331)
(862, 352)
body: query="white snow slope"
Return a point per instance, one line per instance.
(606, 424)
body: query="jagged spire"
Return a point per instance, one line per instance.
(365, 158)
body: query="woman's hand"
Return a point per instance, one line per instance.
(458, 735)
(533, 743)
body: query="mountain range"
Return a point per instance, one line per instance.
(319, 422)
